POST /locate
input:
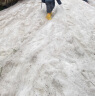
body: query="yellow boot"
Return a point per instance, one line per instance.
(51, 13)
(48, 16)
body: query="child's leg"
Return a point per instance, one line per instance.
(48, 6)
(49, 10)
(52, 6)
(85, 0)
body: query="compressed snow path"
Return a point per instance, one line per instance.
(48, 58)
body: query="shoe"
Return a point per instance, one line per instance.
(48, 16)
(51, 13)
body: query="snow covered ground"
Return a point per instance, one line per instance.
(48, 58)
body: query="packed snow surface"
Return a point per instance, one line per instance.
(48, 58)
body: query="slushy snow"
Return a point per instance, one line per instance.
(48, 58)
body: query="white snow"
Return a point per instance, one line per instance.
(48, 58)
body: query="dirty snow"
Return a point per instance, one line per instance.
(48, 58)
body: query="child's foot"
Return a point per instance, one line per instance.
(48, 16)
(51, 13)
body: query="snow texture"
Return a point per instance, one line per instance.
(48, 58)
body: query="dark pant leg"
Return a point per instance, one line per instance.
(50, 6)
(85, 0)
